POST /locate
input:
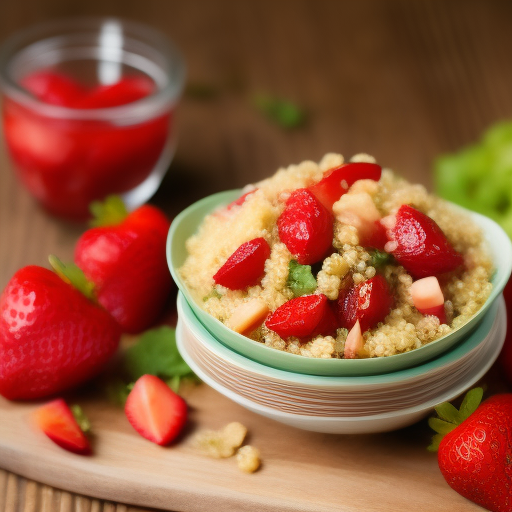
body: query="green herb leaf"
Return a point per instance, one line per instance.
(81, 418)
(73, 275)
(116, 391)
(109, 212)
(448, 412)
(441, 426)
(156, 353)
(379, 258)
(282, 112)
(471, 402)
(300, 279)
(214, 294)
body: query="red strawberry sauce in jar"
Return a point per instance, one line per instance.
(88, 110)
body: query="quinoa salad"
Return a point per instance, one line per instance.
(339, 260)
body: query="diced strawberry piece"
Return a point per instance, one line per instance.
(245, 266)
(368, 302)
(305, 227)
(337, 181)
(428, 298)
(54, 88)
(375, 237)
(155, 411)
(302, 317)
(248, 316)
(420, 246)
(328, 323)
(127, 90)
(241, 200)
(354, 344)
(56, 420)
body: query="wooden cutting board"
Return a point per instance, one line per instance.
(301, 471)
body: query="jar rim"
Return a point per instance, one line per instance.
(164, 98)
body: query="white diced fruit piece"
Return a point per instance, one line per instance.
(360, 204)
(354, 344)
(426, 293)
(248, 316)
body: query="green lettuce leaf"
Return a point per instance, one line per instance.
(300, 279)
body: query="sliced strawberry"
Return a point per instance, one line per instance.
(337, 181)
(245, 266)
(241, 200)
(328, 323)
(368, 302)
(302, 317)
(305, 227)
(56, 420)
(54, 87)
(155, 411)
(428, 298)
(375, 237)
(420, 246)
(127, 90)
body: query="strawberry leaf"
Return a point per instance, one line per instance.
(448, 412)
(470, 403)
(110, 212)
(74, 276)
(436, 441)
(156, 353)
(81, 418)
(440, 426)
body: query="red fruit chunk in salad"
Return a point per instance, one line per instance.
(305, 227)
(245, 266)
(302, 317)
(337, 181)
(420, 246)
(155, 411)
(368, 302)
(56, 420)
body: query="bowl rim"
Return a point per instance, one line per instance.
(487, 327)
(447, 395)
(367, 365)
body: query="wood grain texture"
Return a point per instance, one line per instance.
(403, 80)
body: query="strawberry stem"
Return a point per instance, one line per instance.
(450, 418)
(110, 212)
(81, 418)
(74, 276)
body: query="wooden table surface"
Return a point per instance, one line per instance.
(402, 80)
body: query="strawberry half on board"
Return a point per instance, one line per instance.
(305, 227)
(420, 246)
(52, 336)
(124, 256)
(57, 421)
(474, 447)
(155, 411)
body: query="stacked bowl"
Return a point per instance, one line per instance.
(337, 395)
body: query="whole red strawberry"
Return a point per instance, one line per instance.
(52, 337)
(475, 449)
(420, 246)
(125, 258)
(305, 227)
(369, 302)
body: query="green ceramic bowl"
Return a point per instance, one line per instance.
(188, 222)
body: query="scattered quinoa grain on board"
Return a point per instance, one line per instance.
(355, 234)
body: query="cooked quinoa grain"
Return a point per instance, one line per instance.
(350, 264)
